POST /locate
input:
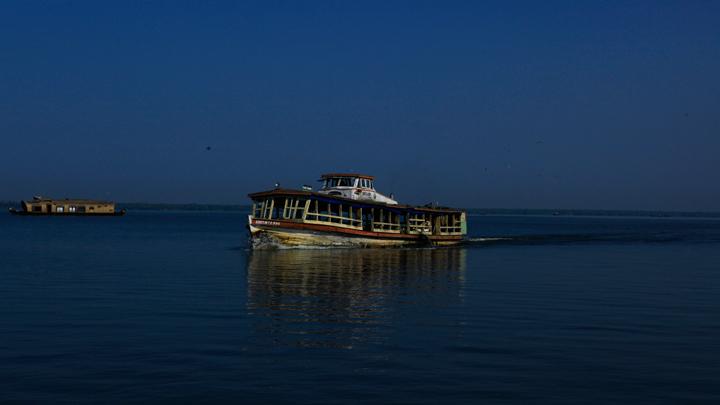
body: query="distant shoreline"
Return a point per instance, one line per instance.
(162, 206)
(471, 211)
(592, 212)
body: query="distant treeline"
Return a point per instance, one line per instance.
(605, 213)
(471, 211)
(162, 207)
(183, 207)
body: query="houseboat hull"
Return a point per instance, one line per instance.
(41, 206)
(66, 214)
(273, 234)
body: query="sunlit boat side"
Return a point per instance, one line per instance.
(40, 206)
(348, 211)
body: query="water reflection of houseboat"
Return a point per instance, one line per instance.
(348, 211)
(340, 298)
(67, 207)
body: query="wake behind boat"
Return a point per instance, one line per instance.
(348, 211)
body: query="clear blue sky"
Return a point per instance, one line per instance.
(576, 104)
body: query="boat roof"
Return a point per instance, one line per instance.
(362, 176)
(66, 201)
(358, 203)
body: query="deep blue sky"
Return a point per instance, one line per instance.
(556, 104)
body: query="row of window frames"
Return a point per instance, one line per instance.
(450, 223)
(288, 211)
(348, 183)
(72, 208)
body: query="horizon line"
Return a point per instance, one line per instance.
(209, 206)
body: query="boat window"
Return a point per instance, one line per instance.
(267, 208)
(384, 221)
(36, 208)
(60, 209)
(288, 209)
(344, 182)
(323, 208)
(312, 211)
(294, 208)
(448, 224)
(300, 208)
(72, 208)
(277, 209)
(321, 211)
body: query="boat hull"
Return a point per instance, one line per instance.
(277, 234)
(67, 214)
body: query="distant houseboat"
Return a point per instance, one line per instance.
(47, 206)
(348, 211)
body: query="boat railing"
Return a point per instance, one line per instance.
(389, 227)
(450, 230)
(450, 224)
(419, 226)
(376, 219)
(324, 218)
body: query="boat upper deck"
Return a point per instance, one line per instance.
(280, 192)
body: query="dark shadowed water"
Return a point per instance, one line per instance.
(170, 306)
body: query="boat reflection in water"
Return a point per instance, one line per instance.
(341, 298)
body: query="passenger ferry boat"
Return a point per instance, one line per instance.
(348, 211)
(47, 206)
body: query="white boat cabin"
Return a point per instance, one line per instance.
(354, 187)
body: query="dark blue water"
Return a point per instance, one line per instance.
(170, 306)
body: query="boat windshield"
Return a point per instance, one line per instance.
(365, 183)
(340, 182)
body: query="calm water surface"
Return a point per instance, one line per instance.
(170, 306)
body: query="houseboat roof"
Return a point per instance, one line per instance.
(362, 176)
(321, 196)
(67, 201)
